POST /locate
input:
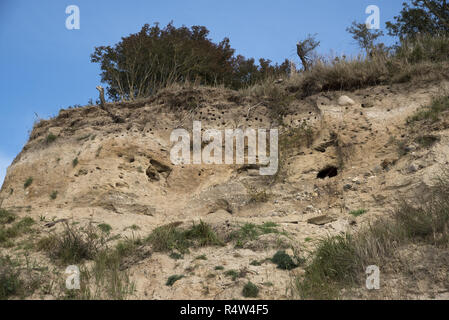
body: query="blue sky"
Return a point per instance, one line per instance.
(45, 67)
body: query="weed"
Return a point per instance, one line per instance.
(28, 182)
(250, 290)
(172, 279)
(357, 213)
(283, 261)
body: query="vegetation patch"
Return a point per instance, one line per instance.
(171, 237)
(6, 217)
(16, 230)
(284, 261)
(234, 274)
(250, 232)
(339, 261)
(104, 227)
(28, 182)
(250, 290)
(73, 245)
(15, 280)
(50, 138)
(54, 195)
(172, 279)
(357, 213)
(432, 112)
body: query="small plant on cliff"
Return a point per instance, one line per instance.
(50, 138)
(54, 195)
(250, 290)
(172, 279)
(28, 182)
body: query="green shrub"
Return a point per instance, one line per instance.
(50, 138)
(250, 290)
(283, 261)
(28, 182)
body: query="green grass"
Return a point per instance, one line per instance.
(432, 112)
(172, 279)
(6, 217)
(50, 138)
(73, 245)
(54, 195)
(255, 263)
(251, 231)
(426, 141)
(19, 280)
(10, 282)
(176, 256)
(75, 162)
(284, 261)
(340, 261)
(250, 290)
(234, 274)
(104, 227)
(357, 213)
(201, 257)
(28, 182)
(219, 268)
(16, 230)
(171, 237)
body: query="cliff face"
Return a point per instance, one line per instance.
(87, 166)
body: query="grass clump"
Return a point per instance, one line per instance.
(6, 217)
(104, 227)
(234, 274)
(340, 261)
(16, 280)
(426, 141)
(75, 162)
(16, 230)
(10, 282)
(28, 182)
(432, 112)
(251, 231)
(50, 138)
(219, 268)
(255, 263)
(284, 261)
(73, 245)
(172, 279)
(176, 256)
(250, 290)
(171, 237)
(357, 213)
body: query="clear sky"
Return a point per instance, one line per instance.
(45, 67)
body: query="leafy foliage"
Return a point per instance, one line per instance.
(144, 62)
(421, 17)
